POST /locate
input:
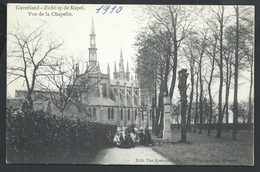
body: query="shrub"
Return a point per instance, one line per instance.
(36, 137)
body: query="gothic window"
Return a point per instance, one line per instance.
(142, 115)
(122, 114)
(112, 113)
(89, 111)
(108, 113)
(135, 114)
(94, 114)
(151, 116)
(128, 116)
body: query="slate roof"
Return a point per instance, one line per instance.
(96, 101)
(113, 82)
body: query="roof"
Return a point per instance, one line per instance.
(113, 82)
(96, 101)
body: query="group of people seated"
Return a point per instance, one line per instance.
(131, 137)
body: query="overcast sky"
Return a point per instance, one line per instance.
(114, 31)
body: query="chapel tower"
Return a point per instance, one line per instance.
(92, 48)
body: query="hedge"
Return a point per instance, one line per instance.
(36, 137)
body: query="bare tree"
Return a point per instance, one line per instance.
(173, 22)
(243, 45)
(197, 98)
(191, 57)
(217, 24)
(211, 51)
(199, 44)
(183, 75)
(65, 84)
(152, 65)
(31, 49)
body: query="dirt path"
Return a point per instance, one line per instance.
(133, 156)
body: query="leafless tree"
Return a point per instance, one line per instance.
(65, 83)
(211, 52)
(31, 50)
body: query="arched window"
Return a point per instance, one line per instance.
(94, 114)
(128, 116)
(135, 114)
(108, 113)
(89, 111)
(122, 117)
(112, 113)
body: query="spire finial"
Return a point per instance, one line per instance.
(108, 68)
(115, 67)
(121, 63)
(92, 27)
(127, 68)
(121, 54)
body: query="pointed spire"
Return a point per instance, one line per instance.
(92, 27)
(92, 48)
(98, 66)
(108, 69)
(127, 74)
(121, 54)
(115, 67)
(127, 68)
(121, 63)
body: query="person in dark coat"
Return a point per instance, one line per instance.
(122, 141)
(142, 138)
(127, 140)
(148, 138)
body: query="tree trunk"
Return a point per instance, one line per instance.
(29, 98)
(201, 97)
(175, 54)
(196, 111)
(155, 107)
(235, 116)
(183, 88)
(210, 110)
(191, 100)
(210, 96)
(250, 95)
(221, 78)
(227, 90)
(158, 110)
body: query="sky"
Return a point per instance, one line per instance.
(114, 31)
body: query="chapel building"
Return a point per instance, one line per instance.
(116, 100)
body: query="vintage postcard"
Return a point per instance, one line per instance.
(113, 84)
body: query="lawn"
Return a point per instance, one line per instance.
(208, 150)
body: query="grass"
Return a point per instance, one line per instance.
(208, 150)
